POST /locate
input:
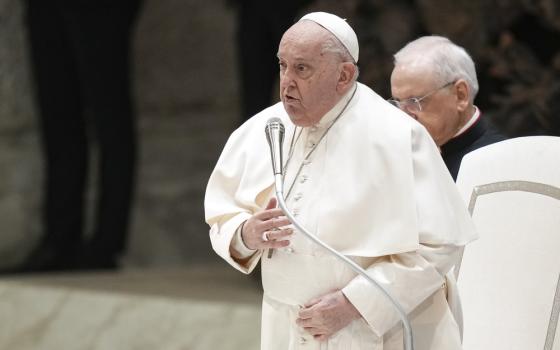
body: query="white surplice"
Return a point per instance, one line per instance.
(376, 189)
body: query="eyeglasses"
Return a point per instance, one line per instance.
(414, 104)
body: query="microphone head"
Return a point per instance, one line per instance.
(274, 123)
(274, 131)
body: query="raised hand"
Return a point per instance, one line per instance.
(264, 229)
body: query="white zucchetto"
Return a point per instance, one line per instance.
(339, 28)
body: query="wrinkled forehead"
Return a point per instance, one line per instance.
(410, 81)
(417, 72)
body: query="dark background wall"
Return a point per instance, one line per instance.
(186, 89)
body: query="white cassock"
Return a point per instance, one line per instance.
(376, 189)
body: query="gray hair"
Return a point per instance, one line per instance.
(446, 60)
(333, 46)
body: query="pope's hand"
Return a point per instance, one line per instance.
(324, 316)
(264, 229)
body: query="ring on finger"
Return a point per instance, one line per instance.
(265, 236)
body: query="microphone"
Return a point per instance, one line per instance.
(275, 136)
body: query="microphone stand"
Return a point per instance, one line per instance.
(407, 334)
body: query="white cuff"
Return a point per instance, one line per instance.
(239, 246)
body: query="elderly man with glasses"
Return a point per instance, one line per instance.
(434, 81)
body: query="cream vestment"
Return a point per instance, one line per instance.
(376, 189)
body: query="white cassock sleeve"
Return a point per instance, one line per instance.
(409, 277)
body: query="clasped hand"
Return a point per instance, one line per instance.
(266, 229)
(322, 317)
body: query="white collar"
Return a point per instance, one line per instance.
(471, 121)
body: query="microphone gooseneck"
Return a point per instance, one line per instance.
(275, 135)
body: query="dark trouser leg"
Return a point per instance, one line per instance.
(102, 38)
(62, 130)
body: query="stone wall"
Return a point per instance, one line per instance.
(20, 175)
(187, 99)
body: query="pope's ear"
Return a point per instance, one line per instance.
(347, 73)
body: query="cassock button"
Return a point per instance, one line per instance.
(302, 340)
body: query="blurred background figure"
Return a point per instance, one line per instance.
(259, 29)
(81, 67)
(434, 81)
(519, 76)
